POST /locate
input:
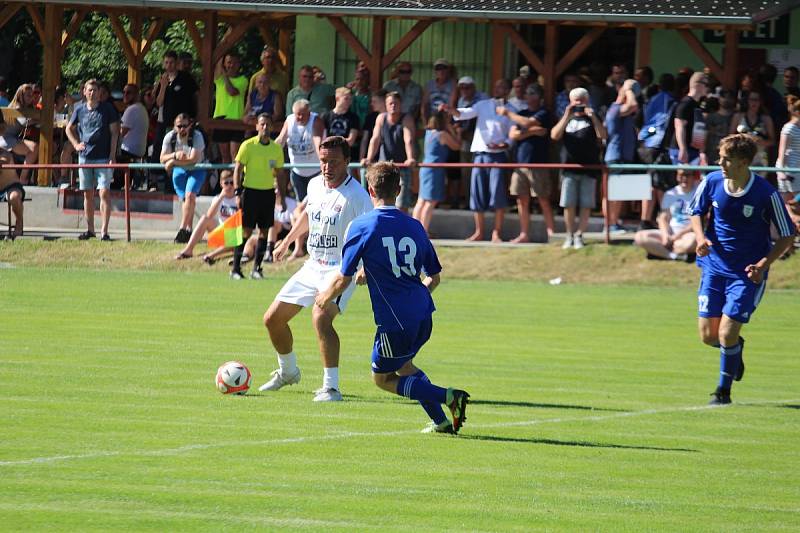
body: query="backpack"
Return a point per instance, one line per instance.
(658, 122)
(174, 140)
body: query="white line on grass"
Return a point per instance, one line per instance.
(351, 434)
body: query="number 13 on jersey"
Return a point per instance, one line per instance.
(408, 249)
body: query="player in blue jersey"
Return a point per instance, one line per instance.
(735, 252)
(396, 252)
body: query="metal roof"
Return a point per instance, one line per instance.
(737, 12)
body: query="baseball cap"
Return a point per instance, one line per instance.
(466, 80)
(441, 62)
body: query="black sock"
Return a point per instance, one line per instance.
(270, 248)
(261, 249)
(237, 258)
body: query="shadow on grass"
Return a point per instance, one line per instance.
(502, 403)
(790, 406)
(581, 444)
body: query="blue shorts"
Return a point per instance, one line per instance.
(188, 180)
(393, 349)
(735, 298)
(90, 178)
(488, 189)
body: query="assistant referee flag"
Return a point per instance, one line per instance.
(227, 234)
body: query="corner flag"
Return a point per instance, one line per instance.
(227, 234)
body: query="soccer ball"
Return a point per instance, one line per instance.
(233, 377)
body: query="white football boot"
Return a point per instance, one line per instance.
(327, 395)
(278, 381)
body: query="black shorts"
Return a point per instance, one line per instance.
(16, 186)
(226, 136)
(258, 208)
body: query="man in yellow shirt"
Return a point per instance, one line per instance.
(278, 79)
(231, 89)
(259, 165)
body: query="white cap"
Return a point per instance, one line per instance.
(466, 80)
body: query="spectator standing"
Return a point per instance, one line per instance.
(264, 100)
(438, 90)
(718, 122)
(581, 131)
(410, 91)
(259, 165)
(185, 62)
(518, 101)
(688, 141)
(184, 147)
(674, 238)
(531, 133)
(440, 138)
(755, 121)
(302, 133)
(393, 140)
(319, 95)
(771, 98)
(490, 144)
(621, 140)
(343, 122)
(457, 189)
(377, 103)
(93, 131)
(571, 81)
(134, 125)
(271, 66)
(790, 80)
(789, 155)
(361, 94)
(645, 77)
(231, 88)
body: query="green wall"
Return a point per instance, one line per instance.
(314, 44)
(670, 52)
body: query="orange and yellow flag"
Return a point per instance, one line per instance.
(227, 234)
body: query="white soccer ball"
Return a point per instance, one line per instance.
(233, 377)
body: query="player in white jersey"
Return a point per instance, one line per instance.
(334, 199)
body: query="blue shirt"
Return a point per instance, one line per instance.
(621, 143)
(395, 249)
(94, 128)
(536, 148)
(739, 225)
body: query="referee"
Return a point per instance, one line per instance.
(258, 164)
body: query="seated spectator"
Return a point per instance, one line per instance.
(755, 121)
(409, 90)
(12, 191)
(21, 135)
(439, 136)
(271, 66)
(674, 238)
(582, 132)
(263, 99)
(222, 207)
(4, 101)
(319, 95)
(342, 121)
(183, 147)
(789, 156)
(531, 132)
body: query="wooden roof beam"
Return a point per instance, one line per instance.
(406, 41)
(535, 61)
(231, 37)
(123, 38)
(150, 35)
(8, 12)
(350, 38)
(701, 52)
(578, 49)
(72, 28)
(38, 21)
(194, 33)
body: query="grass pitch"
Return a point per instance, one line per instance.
(588, 413)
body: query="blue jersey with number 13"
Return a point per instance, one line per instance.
(395, 249)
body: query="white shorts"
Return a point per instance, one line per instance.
(302, 288)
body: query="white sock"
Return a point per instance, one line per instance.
(673, 256)
(287, 363)
(330, 378)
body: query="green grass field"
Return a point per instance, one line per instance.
(588, 413)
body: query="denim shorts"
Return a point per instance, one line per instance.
(90, 178)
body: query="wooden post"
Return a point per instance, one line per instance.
(135, 68)
(550, 53)
(643, 47)
(51, 61)
(376, 52)
(730, 61)
(285, 44)
(207, 61)
(498, 57)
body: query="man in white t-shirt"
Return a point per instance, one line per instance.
(334, 199)
(674, 238)
(134, 124)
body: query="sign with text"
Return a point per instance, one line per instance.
(772, 31)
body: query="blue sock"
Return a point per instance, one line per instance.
(729, 360)
(419, 388)
(434, 410)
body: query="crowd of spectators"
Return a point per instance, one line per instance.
(600, 115)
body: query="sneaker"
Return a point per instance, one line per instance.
(458, 407)
(577, 242)
(568, 243)
(740, 373)
(236, 274)
(86, 235)
(720, 397)
(328, 395)
(444, 427)
(257, 274)
(106, 238)
(278, 380)
(616, 229)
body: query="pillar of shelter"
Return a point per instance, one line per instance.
(730, 60)
(644, 47)
(51, 77)
(207, 62)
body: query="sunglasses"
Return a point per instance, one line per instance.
(404, 71)
(181, 126)
(440, 67)
(227, 182)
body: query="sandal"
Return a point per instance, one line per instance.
(183, 255)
